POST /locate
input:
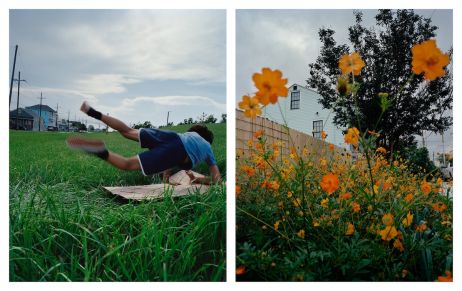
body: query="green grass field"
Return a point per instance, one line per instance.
(64, 227)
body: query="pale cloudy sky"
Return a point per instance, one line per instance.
(288, 40)
(133, 64)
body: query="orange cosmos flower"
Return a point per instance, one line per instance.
(330, 183)
(258, 134)
(388, 219)
(352, 136)
(381, 150)
(323, 135)
(331, 147)
(426, 187)
(428, 59)
(447, 278)
(240, 270)
(350, 229)
(270, 86)
(408, 219)
(439, 207)
(238, 190)
(351, 64)
(421, 227)
(408, 197)
(301, 233)
(273, 185)
(250, 106)
(355, 206)
(276, 225)
(345, 196)
(297, 202)
(324, 202)
(248, 170)
(388, 233)
(398, 245)
(439, 181)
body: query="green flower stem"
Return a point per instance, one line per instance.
(259, 220)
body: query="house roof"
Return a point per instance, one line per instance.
(44, 108)
(303, 87)
(23, 114)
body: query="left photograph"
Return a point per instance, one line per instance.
(117, 145)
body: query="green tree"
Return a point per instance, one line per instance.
(210, 119)
(416, 105)
(146, 124)
(223, 118)
(419, 160)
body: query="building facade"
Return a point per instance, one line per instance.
(25, 119)
(49, 116)
(301, 111)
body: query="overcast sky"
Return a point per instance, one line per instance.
(133, 64)
(288, 40)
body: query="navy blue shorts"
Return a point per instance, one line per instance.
(166, 150)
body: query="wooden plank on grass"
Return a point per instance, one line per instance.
(156, 191)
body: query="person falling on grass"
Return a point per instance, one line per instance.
(166, 149)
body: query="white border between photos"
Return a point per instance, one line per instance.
(231, 6)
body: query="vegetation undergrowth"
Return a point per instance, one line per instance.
(317, 214)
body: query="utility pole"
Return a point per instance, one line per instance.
(68, 127)
(107, 126)
(12, 74)
(444, 153)
(40, 110)
(17, 103)
(168, 114)
(57, 106)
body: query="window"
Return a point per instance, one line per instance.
(295, 100)
(317, 129)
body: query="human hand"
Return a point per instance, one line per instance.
(193, 178)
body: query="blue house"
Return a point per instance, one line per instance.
(26, 120)
(48, 115)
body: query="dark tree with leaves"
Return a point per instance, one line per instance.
(417, 105)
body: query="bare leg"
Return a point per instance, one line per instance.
(98, 148)
(114, 123)
(130, 164)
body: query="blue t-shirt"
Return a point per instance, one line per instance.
(198, 149)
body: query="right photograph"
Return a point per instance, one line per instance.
(344, 145)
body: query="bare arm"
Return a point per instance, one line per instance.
(213, 178)
(166, 175)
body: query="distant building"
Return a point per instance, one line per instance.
(302, 112)
(62, 125)
(26, 120)
(49, 116)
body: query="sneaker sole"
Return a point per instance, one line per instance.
(86, 145)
